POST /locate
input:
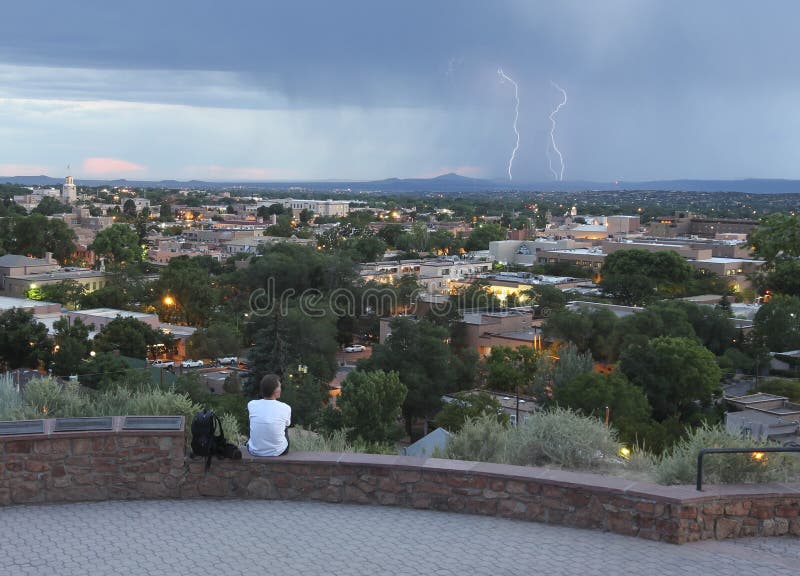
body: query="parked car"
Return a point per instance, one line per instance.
(162, 364)
(355, 348)
(192, 364)
(227, 360)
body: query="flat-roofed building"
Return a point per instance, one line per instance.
(251, 245)
(589, 258)
(36, 307)
(90, 280)
(102, 316)
(736, 270)
(619, 224)
(524, 252)
(763, 417)
(17, 265)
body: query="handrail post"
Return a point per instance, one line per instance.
(700, 469)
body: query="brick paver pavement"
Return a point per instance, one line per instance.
(207, 537)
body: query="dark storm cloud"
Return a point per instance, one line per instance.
(657, 88)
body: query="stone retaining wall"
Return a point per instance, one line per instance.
(80, 466)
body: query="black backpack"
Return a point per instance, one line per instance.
(207, 436)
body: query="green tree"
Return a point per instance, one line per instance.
(674, 374)
(130, 336)
(591, 330)
(391, 234)
(511, 369)
(118, 243)
(23, 340)
(216, 340)
(777, 235)
(476, 295)
(49, 206)
(546, 299)
(591, 393)
(367, 248)
(466, 406)
(782, 278)
(637, 277)
(482, 234)
(129, 208)
(442, 241)
(193, 297)
(419, 237)
(67, 293)
(569, 365)
(165, 212)
(72, 345)
(35, 235)
(777, 323)
(418, 352)
(306, 394)
(370, 403)
(106, 370)
(284, 339)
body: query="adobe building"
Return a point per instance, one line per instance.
(15, 265)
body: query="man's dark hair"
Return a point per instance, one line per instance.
(269, 384)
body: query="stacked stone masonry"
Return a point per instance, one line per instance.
(81, 466)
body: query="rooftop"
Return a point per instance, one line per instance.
(62, 274)
(112, 313)
(15, 260)
(7, 303)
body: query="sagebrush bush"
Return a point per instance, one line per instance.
(48, 398)
(301, 440)
(564, 438)
(230, 428)
(10, 399)
(481, 439)
(679, 466)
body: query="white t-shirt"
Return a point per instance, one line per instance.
(268, 422)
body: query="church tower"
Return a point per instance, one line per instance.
(69, 192)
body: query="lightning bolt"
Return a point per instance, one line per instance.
(556, 175)
(503, 77)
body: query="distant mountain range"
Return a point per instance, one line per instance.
(448, 184)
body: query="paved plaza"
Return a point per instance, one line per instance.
(227, 537)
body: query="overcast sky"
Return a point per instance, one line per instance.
(344, 89)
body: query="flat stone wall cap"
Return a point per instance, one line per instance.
(447, 465)
(305, 457)
(378, 459)
(511, 471)
(714, 491)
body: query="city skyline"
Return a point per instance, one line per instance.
(358, 91)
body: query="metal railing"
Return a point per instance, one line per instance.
(762, 450)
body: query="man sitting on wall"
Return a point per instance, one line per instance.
(269, 420)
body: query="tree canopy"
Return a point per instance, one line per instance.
(370, 403)
(118, 243)
(23, 340)
(419, 353)
(638, 277)
(674, 374)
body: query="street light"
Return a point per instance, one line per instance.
(168, 300)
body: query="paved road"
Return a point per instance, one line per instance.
(303, 538)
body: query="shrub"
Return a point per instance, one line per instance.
(48, 398)
(680, 465)
(10, 399)
(301, 440)
(481, 439)
(230, 428)
(564, 438)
